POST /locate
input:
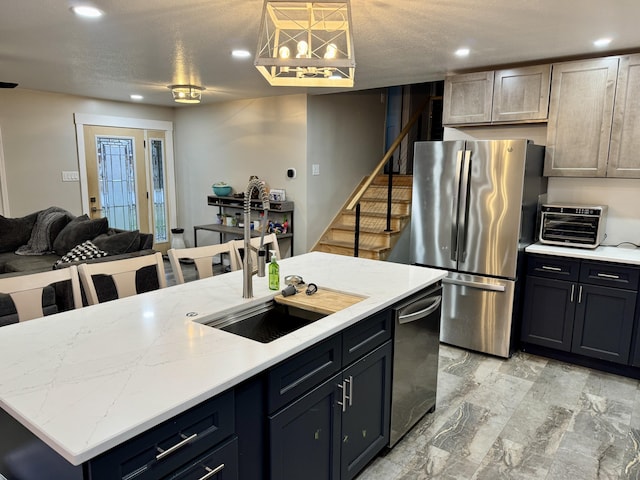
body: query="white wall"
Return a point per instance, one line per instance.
(233, 140)
(39, 142)
(621, 195)
(346, 139)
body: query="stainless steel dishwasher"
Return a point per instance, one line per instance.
(415, 359)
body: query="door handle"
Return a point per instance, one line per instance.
(412, 317)
(573, 289)
(479, 285)
(454, 207)
(350, 396)
(580, 294)
(343, 404)
(463, 211)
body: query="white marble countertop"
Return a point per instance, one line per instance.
(87, 380)
(606, 254)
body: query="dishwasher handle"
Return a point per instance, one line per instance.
(425, 312)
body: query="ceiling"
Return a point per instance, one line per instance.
(142, 46)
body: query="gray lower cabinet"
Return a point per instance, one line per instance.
(340, 421)
(580, 306)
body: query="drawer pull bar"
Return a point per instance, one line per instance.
(178, 445)
(553, 269)
(211, 473)
(608, 275)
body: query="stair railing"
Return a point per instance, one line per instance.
(387, 159)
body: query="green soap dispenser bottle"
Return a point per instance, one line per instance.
(274, 272)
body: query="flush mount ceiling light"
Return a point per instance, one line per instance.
(86, 11)
(186, 93)
(306, 44)
(462, 52)
(602, 42)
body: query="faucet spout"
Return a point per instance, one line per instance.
(247, 264)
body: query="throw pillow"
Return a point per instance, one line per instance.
(77, 231)
(85, 251)
(118, 243)
(15, 231)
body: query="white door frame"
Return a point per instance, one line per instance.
(4, 194)
(82, 119)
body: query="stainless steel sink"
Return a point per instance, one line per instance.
(265, 322)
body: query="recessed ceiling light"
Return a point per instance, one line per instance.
(86, 11)
(241, 53)
(602, 42)
(462, 52)
(135, 96)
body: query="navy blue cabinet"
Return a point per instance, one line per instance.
(334, 429)
(581, 306)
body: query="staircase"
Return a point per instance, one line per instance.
(375, 242)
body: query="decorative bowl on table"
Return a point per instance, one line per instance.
(221, 190)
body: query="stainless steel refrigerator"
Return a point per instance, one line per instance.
(473, 212)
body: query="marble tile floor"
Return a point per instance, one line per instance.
(524, 418)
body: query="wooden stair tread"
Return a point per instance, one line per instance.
(338, 243)
(350, 228)
(375, 214)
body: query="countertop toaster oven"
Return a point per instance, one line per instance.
(573, 225)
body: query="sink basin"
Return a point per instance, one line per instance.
(266, 322)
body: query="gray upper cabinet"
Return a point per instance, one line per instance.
(624, 157)
(468, 98)
(516, 95)
(521, 94)
(580, 117)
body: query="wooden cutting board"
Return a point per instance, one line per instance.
(323, 301)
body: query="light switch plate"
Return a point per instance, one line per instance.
(70, 176)
(315, 169)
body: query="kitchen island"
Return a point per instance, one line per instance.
(87, 380)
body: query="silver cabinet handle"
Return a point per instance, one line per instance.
(573, 290)
(343, 404)
(580, 294)
(169, 451)
(211, 473)
(608, 275)
(350, 396)
(553, 269)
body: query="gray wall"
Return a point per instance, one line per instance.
(221, 142)
(39, 142)
(345, 138)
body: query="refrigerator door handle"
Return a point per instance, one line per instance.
(480, 285)
(454, 207)
(463, 212)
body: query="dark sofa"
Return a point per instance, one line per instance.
(54, 238)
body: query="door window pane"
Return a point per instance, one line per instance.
(159, 196)
(116, 178)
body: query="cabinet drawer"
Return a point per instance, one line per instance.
(159, 451)
(609, 275)
(303, 371)
(219, 464)
(365, 336)
(549, 266)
